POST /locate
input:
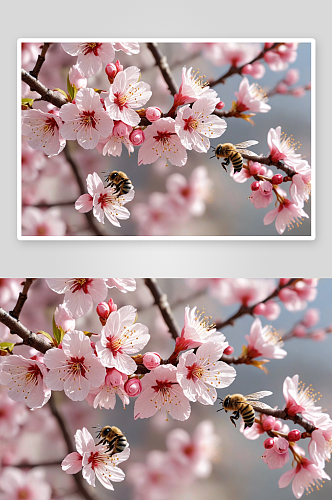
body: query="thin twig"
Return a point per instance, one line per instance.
(161, 301)
(266, 160)
(22, 298)
(40, 61)
(161, 62)
(283, 415)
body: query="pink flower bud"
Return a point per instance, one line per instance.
(260, 309)
(113, 307)
(282, 88)
(262, 170)
(277, 425)
(247, 70)
(111, 70)
(229, 350)
(268, 443)
(258, 70)
(137, 137)
(119, 66)
(299, 331)
(318, 335)
(270, 57)
(121, 129)
(77, 78)
(284, 281)
(268, 423)
(311, 318)
(280, 445)
(265, 188)
(298, 92)
(255, 186)
(272, 310)
(133, 387)
(268, 45)
(220, 105)
(277, 179)
(63, 318)
(294, 435)
(153, 114)
(151, 360)
(254, 167)
(103, 310)
(114, 377)
(292, 76)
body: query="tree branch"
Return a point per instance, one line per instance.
(40, 61)
(283, 415)
(48, 95)
(161, 301)
(161, 62)
(266, 160)
(23, 296)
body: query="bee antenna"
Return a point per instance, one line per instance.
(214, 156)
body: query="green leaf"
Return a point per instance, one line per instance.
(72, 89)
(47, 335)
(7, 346)
(61, 92)
(57, 333)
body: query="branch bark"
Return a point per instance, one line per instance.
(161, 62)
(161, 301)
(40, 61)
(46, 94)
(266, 160)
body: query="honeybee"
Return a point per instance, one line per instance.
(232, 154)
(113, 438)
(241, 405)
(120, 181)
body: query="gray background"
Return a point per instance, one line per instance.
(153, 19)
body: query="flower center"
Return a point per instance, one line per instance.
(162, 386)
(33, 372)
(120, 100)
(115, 345)
(81, 284)
(91, 48)
(88, 119)
(191, 124)
(194, 372)
(23, 494)
(77, 366)
(41, 230)
(163, 137)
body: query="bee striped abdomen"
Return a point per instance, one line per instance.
(248, 415)
(117, 444)
(236, 160)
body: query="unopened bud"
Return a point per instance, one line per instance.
(137, 137)
(229, 350)
(153, 114)
(133, 387)
(151, 360)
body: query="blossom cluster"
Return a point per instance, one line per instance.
(105, 120)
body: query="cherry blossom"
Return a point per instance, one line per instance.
(278, 455)
(80, 293)
(251, 98)
(9, 290)
(63, 319)
(160, 389)
(12, 416)
(244, 290)
(17, 484)
(124, 285)
(320, 445)
(105, 395)
(120, 338)
(25, 381)
(235, 54)
(285, 215)
(300, 188)
(304, 476)
(126, 94)
(85, 121)
(112, 145)
(283, 148)
(197, 330)
(43, 131)
(263, 196)
(90, 55)
(77, 78)
(104, 201)
(197, 372)
(96, 461)
(128, 48)
(194, 125)
(300, 399)
(36, 222)
(193, 88)
(33, 161)
(161, 140)
(196, 453)
(74, 368)
(278, 58)
(264, 342)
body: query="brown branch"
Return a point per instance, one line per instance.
(161, 62)
(22, 298)
(274, 91)
(249, 310)
(78, 478)
(31, 339)
(48, 95)
(266, 160)
(26, 465)
(234, 70)
(283, 415)
(40, 61)
(161, 301)
(51, 205)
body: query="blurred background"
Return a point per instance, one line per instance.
(239, 471)
(228, 212)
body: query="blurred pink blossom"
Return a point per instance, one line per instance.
(17, 484)
(90, 55)
(36, 222)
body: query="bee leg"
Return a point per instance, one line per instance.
(235, 416)
(223, 163)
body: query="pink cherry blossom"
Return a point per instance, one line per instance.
(283, 148)
(72, 463)
(195, 454)
(256, 70)
(74, 368)
(32, 161)
(104, 201)
(320, 445)
(235, 54)
(193, 88)
(96, 461)
(197, 331)
(124, 285)
(278, 455)
(77, 78)
(264, 342)
(25, 381)
(295, 297)
(9, 290)
(36, 222)
(161, 389)
(120, 338)
(63, 319)
(300, 399)
(80, 293)
(128, 48)
(251, 98)
(157, 216)
(112, 145)
(43, 131)
(194, 125)
(285, 215)
(263, 196)
(85, 121)
(161, 140)
(17, 484)
(200, 374)
(305, 475)
(126, 94)
(278, 58)
(190, 195)
(311, 317)
(12, 416)
(300, 188)
(90, 55)
(244, 290)
(270, 309)
(105, 395)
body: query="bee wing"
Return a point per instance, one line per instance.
(247, 152)
(258, 395)
(259, 404)
(245, 144)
